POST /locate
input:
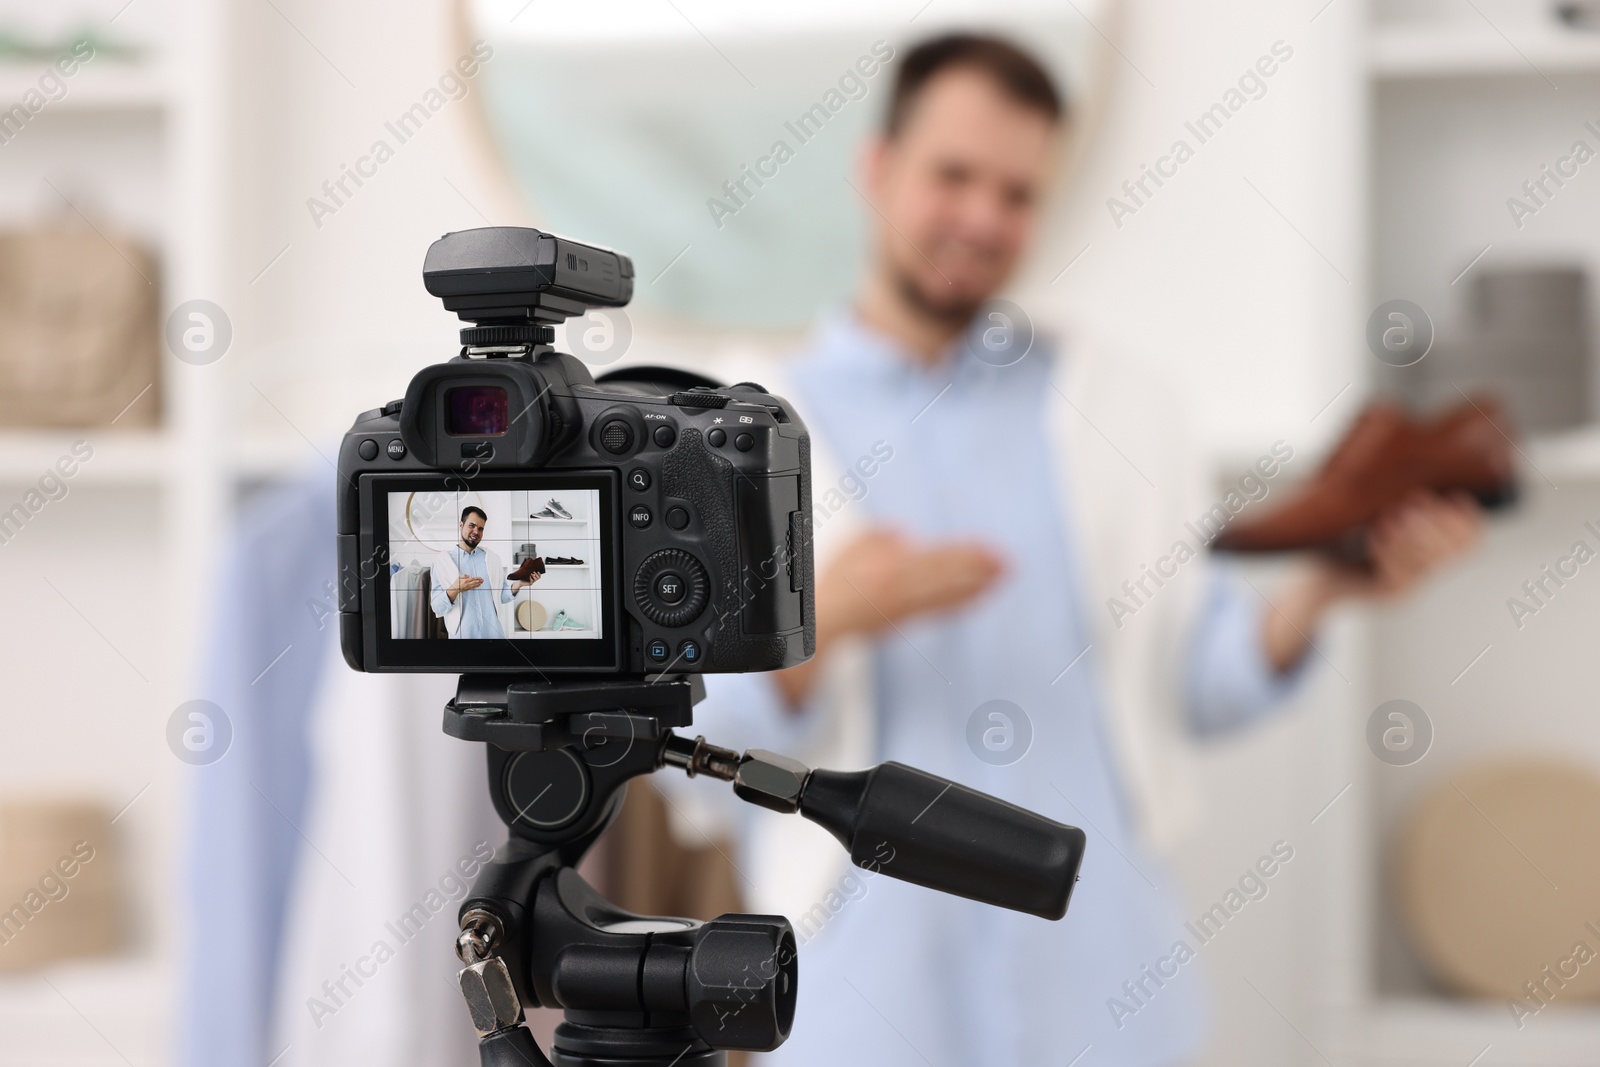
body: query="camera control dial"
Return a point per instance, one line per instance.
(671, 587)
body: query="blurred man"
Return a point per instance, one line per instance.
(460, 573)
(969, 622)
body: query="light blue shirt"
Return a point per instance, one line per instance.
(479, 617)
(904, 975)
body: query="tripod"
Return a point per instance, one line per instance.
(639, 991)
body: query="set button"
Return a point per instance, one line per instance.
(670, 587)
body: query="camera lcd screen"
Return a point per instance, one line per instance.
(516, 571)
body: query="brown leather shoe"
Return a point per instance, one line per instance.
(1384, 458)
(530, 566)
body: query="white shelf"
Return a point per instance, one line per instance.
(1474, 48)
(126, 999)
(555, 522)
(102, 84)
(1438, 1032)
(1572, 456)
(121, 457)
(145, 457)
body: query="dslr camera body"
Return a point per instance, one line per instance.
(514, 515)
(581, 551)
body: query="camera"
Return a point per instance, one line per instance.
(512, 514)
(581, 551)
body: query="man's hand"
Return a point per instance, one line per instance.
(1415, 540)
(522, 583)
(882, 578)
(461, 585)
(1407, 545)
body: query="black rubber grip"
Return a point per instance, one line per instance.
(923, 829)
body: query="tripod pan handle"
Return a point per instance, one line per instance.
(920, 828)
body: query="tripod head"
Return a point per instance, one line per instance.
(653, 991)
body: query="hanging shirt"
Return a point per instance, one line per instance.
(479, 616)
(902, 975)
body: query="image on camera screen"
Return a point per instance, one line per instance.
(516, 564)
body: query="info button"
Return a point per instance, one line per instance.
(670, 587)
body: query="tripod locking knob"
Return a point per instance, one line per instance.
(741, 982)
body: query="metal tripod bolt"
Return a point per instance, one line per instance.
(491, 996)
(486, 980)
(770, 780)
(480, 936)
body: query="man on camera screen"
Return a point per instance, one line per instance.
(469, 577)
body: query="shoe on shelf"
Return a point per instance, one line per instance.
(555, 505)
(544, 513)
(530, 566)
(1386, 456)
(563, 621)
(564, 561)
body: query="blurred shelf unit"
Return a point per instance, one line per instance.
(144, 147)
(1474, 48)
(1441, 132)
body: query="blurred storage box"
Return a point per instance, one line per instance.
(78, 330)
(59, 894)
(1527, 342)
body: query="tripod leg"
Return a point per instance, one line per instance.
(510, 1048)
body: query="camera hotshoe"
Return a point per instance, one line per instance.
(668, 517)
(581, 551)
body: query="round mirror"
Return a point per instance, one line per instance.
(715, 142)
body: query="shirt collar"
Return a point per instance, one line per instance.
(842, 336)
